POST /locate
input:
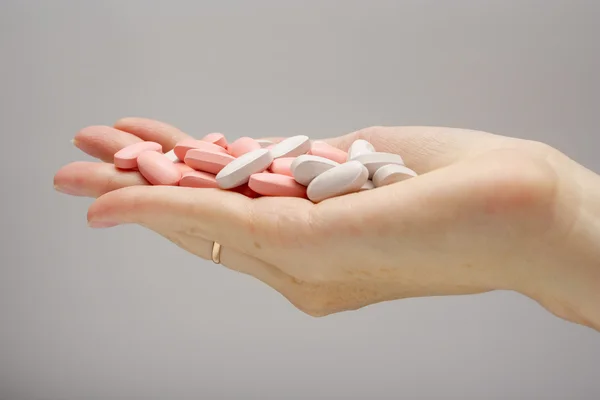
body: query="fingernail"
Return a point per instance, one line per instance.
(101, 224)
(73, 191)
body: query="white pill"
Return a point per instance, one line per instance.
(376, 160)
(307, 167)
(359, 147)
(291, 147)
(238, 171)
(171, 156)
(264, 143)
(367, 186)
(392, 173)
(343, 179)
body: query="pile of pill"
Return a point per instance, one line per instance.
(294, 167)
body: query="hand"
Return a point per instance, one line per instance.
(486, 212)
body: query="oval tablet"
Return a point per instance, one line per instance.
(307, 167)
(291, 147)
(238, 171)
(126, 158)
(376, 160)
(186, 145)
(340, 180)
(282, 166)
(273, 184)
(216, 138)
(242, 146)
(183, 167)
(158, 169)
(207, 161)
(246, 191)
(359, 147)
(392, 173)
(325, 150)
(198, 179)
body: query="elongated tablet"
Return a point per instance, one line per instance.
(207, 160)
(358, 147)
(322, 149)
(158, 169)
(271, 184)
(238, 171)
(186, 145)
(282, 166)
(392, 173)
(307, 167)
(242, 146)
(338, 181)
(126, 158)
(216, 138)
(376, 160)
(291, 147)
(198, 179)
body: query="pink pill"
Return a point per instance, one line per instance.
(246, 191)
(198, 179)
(242, 146)
(276, 185)
(207, 161)
(126, 158)
(282, 166)
(325, 150)
(184, 168)
(185, 145)
(216, 138)
(158, 169)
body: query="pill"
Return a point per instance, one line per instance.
(158, 169)
(238, 171)
(186, 145)
(276, 185)
(343, 179)
(358, 147)
(172, 156)
(264, 143)
(198, 179)
(322, 149)
(216, 138)
(291, 147)
(392, 173)
(183, 167)
(282, 166)
(242, 146)
(367, 186)
(307, 167)
(374, 161)
(246, 191)
(207, 160)
(126, 158)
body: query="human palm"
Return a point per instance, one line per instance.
(476, 218)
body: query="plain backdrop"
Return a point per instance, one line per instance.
(124, 314)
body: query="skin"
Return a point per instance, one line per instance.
(487, 212)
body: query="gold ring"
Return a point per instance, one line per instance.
(216, 253)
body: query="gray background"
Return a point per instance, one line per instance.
(123, 314)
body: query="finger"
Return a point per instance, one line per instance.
(93, 179)
(103, 142)
(422, 148)
(153, 131)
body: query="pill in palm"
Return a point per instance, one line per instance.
(216, 138)
(322, 149)
(374, 161)
(392, 173)
(182, 147)
(367, 186)
(158, 169)
(282, 166)
(126, 158)
(242, 146)
(291, 147)
(198, 179)
(273, 184)
(358, 147)
(340, 180)
(307, 167)
(238, 171)
(207, 160)
(246, 191)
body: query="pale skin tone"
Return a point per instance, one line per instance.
(487, 212)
